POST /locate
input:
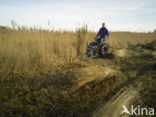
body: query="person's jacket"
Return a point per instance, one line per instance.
(103, 32)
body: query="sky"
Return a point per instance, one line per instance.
(119, 15)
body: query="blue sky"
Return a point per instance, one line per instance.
(119, 15)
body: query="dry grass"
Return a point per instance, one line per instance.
(126, 39)
(25, 49)
(122, 53)
(90, 74)
(125, 97)
(38, 67)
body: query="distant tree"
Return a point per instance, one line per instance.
(154, 31)
(3, 28)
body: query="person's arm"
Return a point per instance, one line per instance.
(107, 33)
(98, 33)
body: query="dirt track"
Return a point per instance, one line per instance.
(113, 108)
(128, 94)
(134, 68)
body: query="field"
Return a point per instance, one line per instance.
(44, 73)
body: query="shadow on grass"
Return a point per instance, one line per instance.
(106, 56)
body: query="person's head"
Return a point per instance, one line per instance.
(103, 25)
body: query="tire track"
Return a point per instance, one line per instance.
(113, 108)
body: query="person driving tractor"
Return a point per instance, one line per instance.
(101, 37)
(99, 45)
